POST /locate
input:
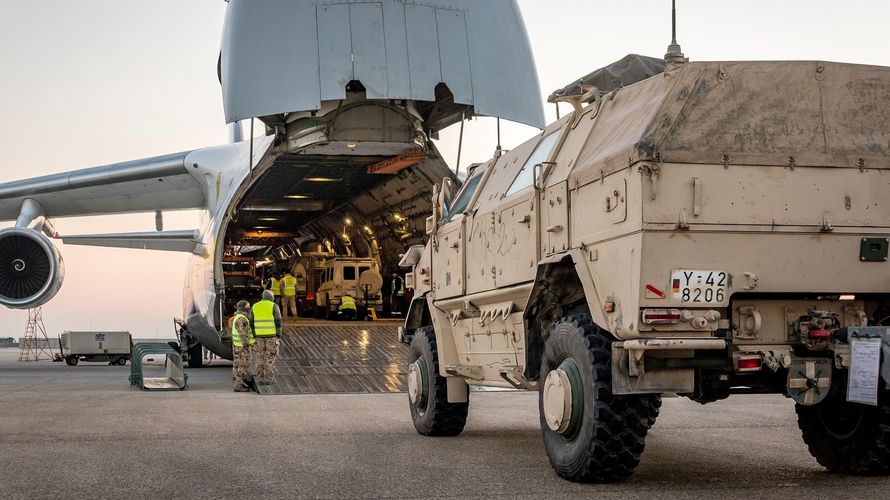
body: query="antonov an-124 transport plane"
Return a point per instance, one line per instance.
(349, 94)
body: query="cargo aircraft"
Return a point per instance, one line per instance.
(343, 100)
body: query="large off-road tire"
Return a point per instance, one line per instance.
(844, 437)
(590, 434)
(431, 412)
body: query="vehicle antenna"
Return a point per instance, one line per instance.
(460, 142)
(674, 53)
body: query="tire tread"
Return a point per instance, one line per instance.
(447, 419)
(621, 422)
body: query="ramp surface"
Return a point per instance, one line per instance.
(333, 357)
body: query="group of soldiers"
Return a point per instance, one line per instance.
(255, 328)
(285, 288)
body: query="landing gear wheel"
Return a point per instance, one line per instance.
(196, 356)
(844, 437)
(71, 360)
(431, 412)
(590, 434)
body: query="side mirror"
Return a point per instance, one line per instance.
(412, 257)
(430, 225)
(437, 204)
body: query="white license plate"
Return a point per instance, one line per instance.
(699, 287)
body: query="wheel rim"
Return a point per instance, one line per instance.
(841, 421)
(563, 399)
(418, 383)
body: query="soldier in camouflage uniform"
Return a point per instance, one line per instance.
(265, 320)
(242, 342)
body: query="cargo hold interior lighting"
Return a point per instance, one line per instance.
(321, 179)
(297, 197)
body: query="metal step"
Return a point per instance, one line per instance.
(318, 357)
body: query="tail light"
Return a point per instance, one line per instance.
(749, 363)
(819, 334)
(661, 316)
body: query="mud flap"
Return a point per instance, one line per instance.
(680, 381)
(809, 380)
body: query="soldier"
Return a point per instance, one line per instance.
(265, 319)
(347, 309)
(242, 342)
(276, 284)
(289, 292)
(397, 294)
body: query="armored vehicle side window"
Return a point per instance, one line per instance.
(348, 272)
(524, 178)
(459, 205)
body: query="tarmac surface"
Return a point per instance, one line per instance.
(82, 431)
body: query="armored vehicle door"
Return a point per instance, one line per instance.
(554, 218)
(449, 254)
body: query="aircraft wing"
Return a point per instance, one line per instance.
(159, 183)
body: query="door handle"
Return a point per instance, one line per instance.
(526, 220)
(554, 229)
(456, 244)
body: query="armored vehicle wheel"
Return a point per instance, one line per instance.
(121, 361)
(590, 434)
(71, 360)
(847, 438)
(431, 412)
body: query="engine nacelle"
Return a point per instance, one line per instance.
(31, 268)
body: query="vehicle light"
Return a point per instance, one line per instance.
(749, 363)
(819, 334)
(310, 296)
(661, 316)
(847, 297)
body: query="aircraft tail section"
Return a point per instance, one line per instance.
(471, 57)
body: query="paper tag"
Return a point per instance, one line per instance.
(865, 361)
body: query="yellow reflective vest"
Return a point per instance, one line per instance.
(236, 334)
(276, 286)
(290, 285)
(347, 302)
(264, 318)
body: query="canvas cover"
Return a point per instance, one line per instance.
(809, 113)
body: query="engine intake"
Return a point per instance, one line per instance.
(31, 268)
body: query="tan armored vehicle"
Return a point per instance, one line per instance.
(720, 228)
(357, 276)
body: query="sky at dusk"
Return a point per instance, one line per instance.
(92, 82)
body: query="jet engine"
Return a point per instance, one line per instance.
(31, 268)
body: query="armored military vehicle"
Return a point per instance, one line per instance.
(358, 276)
(714, 229)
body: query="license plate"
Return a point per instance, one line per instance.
(699, 287)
